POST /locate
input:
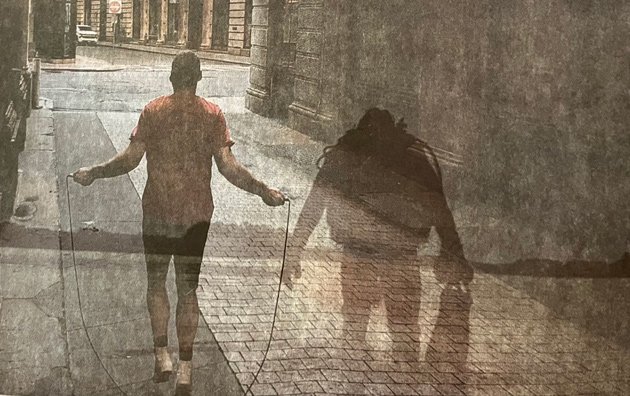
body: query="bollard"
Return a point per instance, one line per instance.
(37, 66)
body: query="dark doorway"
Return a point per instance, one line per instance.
(220, 24)
(155, 12)
(137, 18)
(87, 13)
(173, 17)
(102, 21)
(248, 24)
(195, 21)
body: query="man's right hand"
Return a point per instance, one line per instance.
(84, 176)
(273, 197)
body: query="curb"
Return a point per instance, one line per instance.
(80, 69)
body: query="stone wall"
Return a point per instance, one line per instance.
(547, 139)
(236, 38)
(525, 103)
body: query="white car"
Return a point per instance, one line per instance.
(85, 35)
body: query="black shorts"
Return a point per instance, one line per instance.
(186, 246)
(164, 240)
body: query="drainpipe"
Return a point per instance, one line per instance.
(37, 66)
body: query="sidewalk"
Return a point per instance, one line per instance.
(81, 64)
(205, 55)
(86, 63)
(33, 349)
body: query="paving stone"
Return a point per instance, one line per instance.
(379, 389)
(307, 387)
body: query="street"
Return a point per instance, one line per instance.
(372, 302)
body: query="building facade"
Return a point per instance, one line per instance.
(211, 25)
(15, 96)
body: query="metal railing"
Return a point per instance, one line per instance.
(18, 108)
(15, 108)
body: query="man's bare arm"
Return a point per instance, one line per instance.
(239, 176)
(236, 173)
(120, 164)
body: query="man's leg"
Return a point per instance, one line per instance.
(187, 268)
(157, 297)
(157, 257)
(187, 317)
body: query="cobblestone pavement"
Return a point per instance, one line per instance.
(379, 308)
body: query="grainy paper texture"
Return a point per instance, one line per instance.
(458, 179)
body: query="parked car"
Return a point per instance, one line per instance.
(85, 35)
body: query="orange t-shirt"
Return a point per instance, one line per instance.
(181, 134)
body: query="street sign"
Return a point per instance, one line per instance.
(115, 6)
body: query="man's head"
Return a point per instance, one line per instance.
(185, 71)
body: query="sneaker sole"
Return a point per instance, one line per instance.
(162, 376)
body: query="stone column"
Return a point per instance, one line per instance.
(144, 26)
(183, 23)
(163, 22)
(264, 18)
(206, 31)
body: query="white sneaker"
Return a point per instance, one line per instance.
(184, 378)
(163, 365)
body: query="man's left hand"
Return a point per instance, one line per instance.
(273, 197)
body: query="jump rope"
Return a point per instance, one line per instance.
(76, 276)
